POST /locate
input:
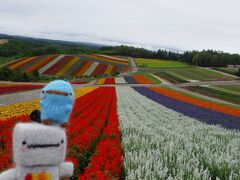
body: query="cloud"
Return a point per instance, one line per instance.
(176, 24)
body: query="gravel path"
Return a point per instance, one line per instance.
(163, 81)
(13, 98)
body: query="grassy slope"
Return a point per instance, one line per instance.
(217, 93)
(159, 63)
(153, 79)
(229, 88)
(201, 98)
(227, 70)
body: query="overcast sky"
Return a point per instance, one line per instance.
(171, 24)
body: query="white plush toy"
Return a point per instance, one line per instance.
(38, 152)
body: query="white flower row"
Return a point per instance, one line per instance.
(159, 143)
(120, 80)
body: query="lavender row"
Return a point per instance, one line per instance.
(205, 115)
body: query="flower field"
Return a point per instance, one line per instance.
(135, 79)
(69, 65)
(141, 133)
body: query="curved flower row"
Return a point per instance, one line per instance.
(141, 79)
(208, 116)
(197, 102)
(160, 143)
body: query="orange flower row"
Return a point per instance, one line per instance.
(42, 63)
(198, 102)
(141, 79)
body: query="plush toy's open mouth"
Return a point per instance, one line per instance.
(57, 92)
(34, 146)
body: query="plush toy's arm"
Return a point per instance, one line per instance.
(66, 169)
(8, 175)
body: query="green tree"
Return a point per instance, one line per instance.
(36, 75)
(25, 77)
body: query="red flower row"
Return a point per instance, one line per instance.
(106, 163)
(14, 88)
(109, 81)
(6, 128)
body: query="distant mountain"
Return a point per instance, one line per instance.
(50, 41)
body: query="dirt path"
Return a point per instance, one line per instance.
(133, 65)
(161, 79)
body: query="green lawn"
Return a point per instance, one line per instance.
(212, 91)
(196, 73)
(235, 89)
(159, 63)
(227, 70)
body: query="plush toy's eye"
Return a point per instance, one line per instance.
(43, 91)
(70, 94)
(62, 141)
(24, 143)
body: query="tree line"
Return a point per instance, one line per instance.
(205, 58)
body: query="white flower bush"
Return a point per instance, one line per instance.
(120, 80)
(159, 143)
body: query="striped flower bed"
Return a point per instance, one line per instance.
(69, 65)
(41, 64)
(71, 62)
(59, 65)
(164, 134)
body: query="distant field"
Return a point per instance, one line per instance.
(3, 41)
(159, 63)
(227, 93)
(193, 74)
(229, 88)
(71, 66)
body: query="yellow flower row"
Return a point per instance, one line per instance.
(70, 64)
(101, 81)
(28, 106)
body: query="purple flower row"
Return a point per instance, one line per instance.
(130, 80)
(202, 114)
